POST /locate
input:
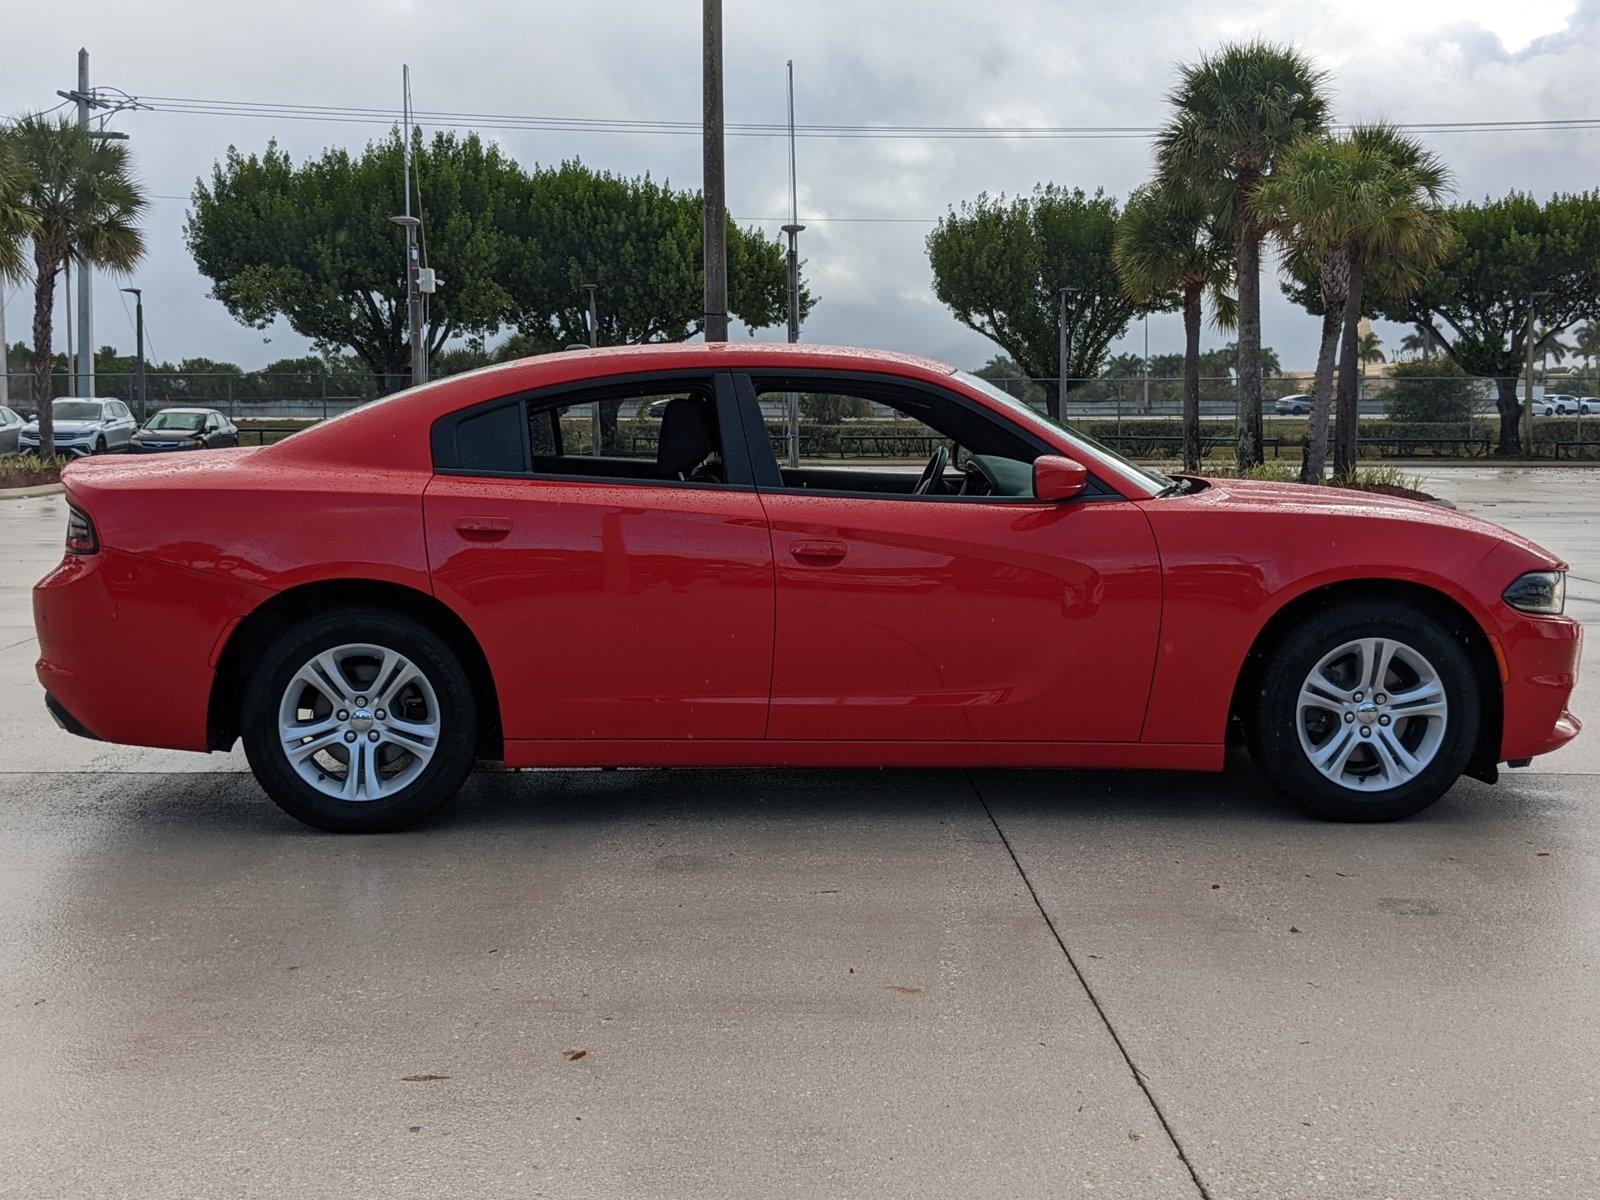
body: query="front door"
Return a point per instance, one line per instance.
(614, 562)
(943, 617)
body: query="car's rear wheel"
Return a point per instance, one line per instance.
(359, 721)
(1367, 711)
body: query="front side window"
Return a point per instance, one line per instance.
(875, 438)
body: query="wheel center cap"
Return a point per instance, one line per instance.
(1367, 713)
(361, 720)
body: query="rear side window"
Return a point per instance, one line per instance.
(491, 441)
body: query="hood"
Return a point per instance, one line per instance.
(168, 435)
(1312, 501)
(65, 427)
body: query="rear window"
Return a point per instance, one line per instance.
(491, 441)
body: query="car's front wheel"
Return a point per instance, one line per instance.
(359, 721)
(1367, 711)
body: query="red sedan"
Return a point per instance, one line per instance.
(605, 559)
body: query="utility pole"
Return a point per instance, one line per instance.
(1066, 347)
(716, 204)
(138, 343)
(83, 380)
(793, 229)
(1527, 400)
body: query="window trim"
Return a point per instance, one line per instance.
(768, 475)
(735, 457)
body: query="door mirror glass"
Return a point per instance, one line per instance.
(1058, 478)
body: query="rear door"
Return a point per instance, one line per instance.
(619, 592)
(905, 617)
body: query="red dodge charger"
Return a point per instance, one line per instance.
(617, 558)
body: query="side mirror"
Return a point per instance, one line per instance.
(1058, 478)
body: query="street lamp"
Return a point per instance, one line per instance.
(419, 357)
(1066, 345)
(1527, 400)
(138, 342)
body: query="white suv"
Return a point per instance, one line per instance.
(1556, 405)
(83, 426)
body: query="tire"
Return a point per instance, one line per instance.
(99, 446)
(1368, 778)
(417, 758)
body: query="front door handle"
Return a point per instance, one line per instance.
(818, 554)
(483, 529)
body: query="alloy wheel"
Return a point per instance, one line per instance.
(1371, 714)
(359, 722)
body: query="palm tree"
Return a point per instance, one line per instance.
(1312, 205)
(1168, 242)
(16, 223)
(1370, 347)
(1419, 343)
(1403, 234)
(82, 202)
(1234, 113)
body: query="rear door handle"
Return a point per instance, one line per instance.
(818, 554)
(483, 529)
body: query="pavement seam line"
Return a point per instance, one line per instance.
(1099, 1008)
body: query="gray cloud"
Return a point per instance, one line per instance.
(892, 61)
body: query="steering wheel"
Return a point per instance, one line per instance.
(933, 473)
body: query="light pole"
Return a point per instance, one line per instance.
(1527, 400)
(1066, 346)
(419, 356)
(138, 342)
(793, 229)
(597, 426)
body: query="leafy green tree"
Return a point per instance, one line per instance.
(315, 244)
(1235, 113)
(1429, 390)
(641, 242)
(999, 265)
(1478, 297)
(80, 201)
(1167, 242)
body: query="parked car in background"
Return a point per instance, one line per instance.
(1556, 404)
(185, 429)
(1589, 405)
(84, 426)
(1297, 405)
(11, 424)
(382, 599)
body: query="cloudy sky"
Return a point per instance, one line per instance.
(894, 62)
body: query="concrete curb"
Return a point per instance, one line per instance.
(22, 493)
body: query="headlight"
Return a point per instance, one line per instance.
(1543, 592)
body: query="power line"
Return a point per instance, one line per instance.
(354, 114)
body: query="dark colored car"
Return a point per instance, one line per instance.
(185, 429)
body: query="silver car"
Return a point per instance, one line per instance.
(84, 426)
(10, 428)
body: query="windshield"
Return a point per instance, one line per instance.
(188, 422)
(76, 410)
(1151, 481)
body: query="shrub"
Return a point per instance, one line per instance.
(1429, 390)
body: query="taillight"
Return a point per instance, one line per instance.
(81, 537)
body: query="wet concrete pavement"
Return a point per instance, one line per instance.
(797, 983)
